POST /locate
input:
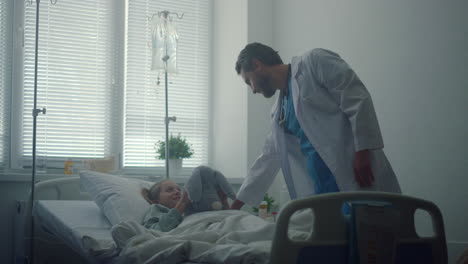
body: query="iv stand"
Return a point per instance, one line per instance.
(165, 59)
(166, 119)
(35, 113)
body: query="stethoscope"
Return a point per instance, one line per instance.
(282, 106)
(284, 101)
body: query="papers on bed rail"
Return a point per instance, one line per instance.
(374, 227)
(210, 237)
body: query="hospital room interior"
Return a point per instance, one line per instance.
(107, 103)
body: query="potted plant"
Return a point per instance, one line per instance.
(270, 203)
(179, 149)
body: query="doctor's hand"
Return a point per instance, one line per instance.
(237, 204)
(362, 169)
(223, 198)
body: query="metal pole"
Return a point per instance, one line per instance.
(167, 128)
(166, 58)
(35, 113)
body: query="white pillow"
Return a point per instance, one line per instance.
(119, 198)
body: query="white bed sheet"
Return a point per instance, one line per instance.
(73, 220)
(79, 224)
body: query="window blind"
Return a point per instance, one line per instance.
(76, 82)
(6, 11)
(188, 88)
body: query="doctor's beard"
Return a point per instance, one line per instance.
(266, 87)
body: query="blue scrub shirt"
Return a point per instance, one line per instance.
(323, 179)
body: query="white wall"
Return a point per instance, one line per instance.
(413, 57)
(260, 29)
(229, 96)
(241, 120)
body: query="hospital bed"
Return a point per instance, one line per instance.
(64, 215)
(61, 214)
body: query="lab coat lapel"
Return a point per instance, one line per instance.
(283, 149)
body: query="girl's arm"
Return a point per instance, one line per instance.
(162, 218)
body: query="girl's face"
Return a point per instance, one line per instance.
(170, 193)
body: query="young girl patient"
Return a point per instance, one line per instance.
(168, 202)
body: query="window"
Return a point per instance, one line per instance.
(6, 40)
(145, 89)
(95, 81)
(76, 70)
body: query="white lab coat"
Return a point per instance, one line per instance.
(336, 112)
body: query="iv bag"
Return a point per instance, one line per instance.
(164, 44)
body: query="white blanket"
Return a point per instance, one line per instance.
(211, 237)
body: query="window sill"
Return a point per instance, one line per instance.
(27, 177)
(24, 175)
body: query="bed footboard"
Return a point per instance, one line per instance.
(330, 228)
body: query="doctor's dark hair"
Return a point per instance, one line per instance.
(258, 51)
(152, 194)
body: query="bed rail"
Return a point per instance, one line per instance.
(60, 189)
(330, 227)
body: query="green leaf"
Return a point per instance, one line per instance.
(270, 203)
(178, 148)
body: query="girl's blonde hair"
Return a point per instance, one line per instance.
(151, 195)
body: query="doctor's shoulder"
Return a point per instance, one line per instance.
(320, 62)
(318, 55)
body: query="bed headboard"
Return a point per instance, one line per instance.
(60, 189)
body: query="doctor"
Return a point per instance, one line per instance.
(325, 136)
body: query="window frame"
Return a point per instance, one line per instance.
(16, 158)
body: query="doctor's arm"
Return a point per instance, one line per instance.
(362, 168)
(356, 103)
(260, 176)
(237, 205)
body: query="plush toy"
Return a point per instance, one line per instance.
(204, 189)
